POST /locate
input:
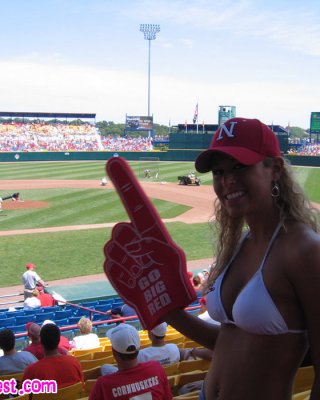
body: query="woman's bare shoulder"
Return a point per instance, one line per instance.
(301, 247)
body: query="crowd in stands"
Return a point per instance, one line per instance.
(50, 355)
(40, 136)
(309, 149)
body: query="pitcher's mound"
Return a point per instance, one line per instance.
(14, 205)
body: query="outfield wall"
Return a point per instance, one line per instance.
(170, 155)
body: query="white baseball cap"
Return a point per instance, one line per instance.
(160, 330)
(124, 338)
(48, 321)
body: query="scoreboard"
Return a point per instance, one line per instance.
(315, 122)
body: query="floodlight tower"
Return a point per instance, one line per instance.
(149, 31)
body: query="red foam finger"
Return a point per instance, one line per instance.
(141, 211)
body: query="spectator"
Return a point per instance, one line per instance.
(12, 361)
(87, 339)
(165, 354)
(35, 347)
(133, 380)
(122, 311)
(64, 369)
(64, 342)
(31, 280)
(160, 351)
(30, 303)
(46, 299)
(198, 287)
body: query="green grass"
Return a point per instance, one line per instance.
(61, 255)
(66, 254)
(76, 207)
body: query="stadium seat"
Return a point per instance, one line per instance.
(62, 322)
(302, 395)
(192, 365)
(74, 320)
(90, 304)
(42, 317)
(24, 319)
(69, 333)
(92, 373)
(303, 380)
(100, 317)
(7, 322)
(63, 314)
(51, 308)
(88, 364)
(72, 392)
(21, 343)
(18, 328)
(103, 329)
(89, 383)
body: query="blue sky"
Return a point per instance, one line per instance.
(89, 56)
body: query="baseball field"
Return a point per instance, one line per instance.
(65, 217)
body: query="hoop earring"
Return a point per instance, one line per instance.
(275, 191)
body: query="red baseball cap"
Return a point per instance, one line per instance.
(247, 140)
(30, 265)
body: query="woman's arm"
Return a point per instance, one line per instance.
(306, 281)
(194, 328)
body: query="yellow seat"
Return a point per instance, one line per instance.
(302, 395)
(188, 343)
(86, 356)
(192, 365)
(92, 373)
(89, 385)
(17, 377)
(188, 396)
(72, 392)
(303, 380)
(188, 377)
(88, 364)
(102, 354)
(23, 397)
(79, 352)
(6, 377)
(172, 369)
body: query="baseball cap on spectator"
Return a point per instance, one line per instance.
(33, 329)
(160, 330)
(30, 265)
(247, 140)
(124, 339)
(48, 321)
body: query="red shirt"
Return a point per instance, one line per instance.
(46, 300)
(65, 370)
(37, 350)
(143, 379)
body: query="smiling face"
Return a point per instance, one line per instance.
(243, 190)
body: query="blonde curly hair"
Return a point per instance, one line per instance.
(292, 204)
(85, 325)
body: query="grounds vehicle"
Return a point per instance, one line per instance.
(190, 179)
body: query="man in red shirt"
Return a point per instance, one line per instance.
(64, 369)
(64, 342)
(132, 380)
(35, 347)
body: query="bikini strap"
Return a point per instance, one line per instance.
(273, 237)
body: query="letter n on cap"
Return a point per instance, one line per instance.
(228, 132)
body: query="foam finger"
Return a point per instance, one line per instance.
(141, 211)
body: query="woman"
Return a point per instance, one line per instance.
(265, 286)
(87, 339)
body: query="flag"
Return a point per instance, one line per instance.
(195, 116)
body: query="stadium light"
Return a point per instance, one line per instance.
(149, 31)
